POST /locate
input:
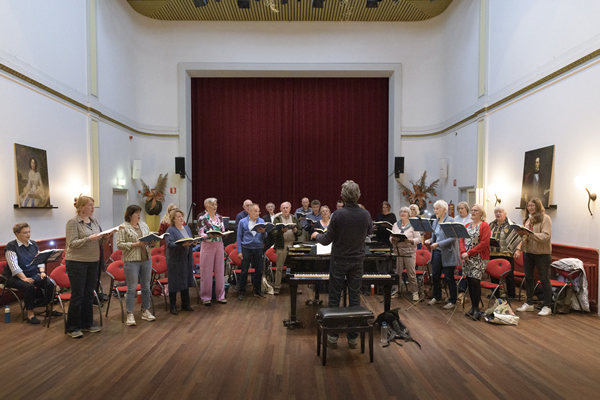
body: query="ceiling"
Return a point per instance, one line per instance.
(295, 10)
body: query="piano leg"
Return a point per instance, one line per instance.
(387, 296)
(293, 321)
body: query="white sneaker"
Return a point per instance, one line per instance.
(449, 306)
(526, 307)
(130, 319)
(147, 316)
(433, 302)
(545, 311)
(416, 296)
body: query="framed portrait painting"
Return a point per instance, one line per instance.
(537, 175)
(31, 168)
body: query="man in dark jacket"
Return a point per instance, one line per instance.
(347, 231)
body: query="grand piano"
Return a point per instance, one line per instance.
(305, 266)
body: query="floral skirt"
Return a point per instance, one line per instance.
(474, 267)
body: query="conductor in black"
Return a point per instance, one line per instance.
(347, 231)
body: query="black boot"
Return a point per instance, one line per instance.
(470, 313)
(476, 314)
(174, 310)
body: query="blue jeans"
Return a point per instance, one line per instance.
(542, 262)
(83, 277)
(340, 275)
(436, 276)
(254, 257)
(133, 270)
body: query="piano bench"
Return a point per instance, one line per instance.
(344, 320)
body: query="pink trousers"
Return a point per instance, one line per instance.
(212, 260)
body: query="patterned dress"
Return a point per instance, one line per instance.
(474, 266)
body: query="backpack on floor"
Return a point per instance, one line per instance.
(396, 330)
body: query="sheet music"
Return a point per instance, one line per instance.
(323, 250)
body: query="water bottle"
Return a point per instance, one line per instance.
(6, 314)
(384, 333)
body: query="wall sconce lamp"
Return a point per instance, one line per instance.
(493, 190)
(583, 183)
(121, 181)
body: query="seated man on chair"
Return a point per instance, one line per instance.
(25, 277)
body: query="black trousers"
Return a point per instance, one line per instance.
(185, 298)
(252, 257)
(43, 287)
(83, 277)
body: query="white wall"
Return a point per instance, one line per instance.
(138, 52)
(552, 117)
(117, 153)
(46, 40)
(34, 120)
(529, 39)
(459, 148)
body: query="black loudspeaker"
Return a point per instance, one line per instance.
(180, 166)
(399, 166)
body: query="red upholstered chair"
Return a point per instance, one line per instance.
(61, 279)
(271, 256)
(115, 256)
(423, 257)
(497, 269)
(237, 265)
(117, 274)
(228, 263)
(159, 267)
(157, 251)
(230, 247)
(570, 276)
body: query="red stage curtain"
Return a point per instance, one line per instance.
(281, 139)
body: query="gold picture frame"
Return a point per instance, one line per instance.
(31, 177)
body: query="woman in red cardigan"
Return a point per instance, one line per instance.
(475, 253)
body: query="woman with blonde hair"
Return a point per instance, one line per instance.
(82, 258)
(179, 261)
(165, 223)
(475, 253)
(211, 257)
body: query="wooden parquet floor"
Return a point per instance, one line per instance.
(242, 351)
